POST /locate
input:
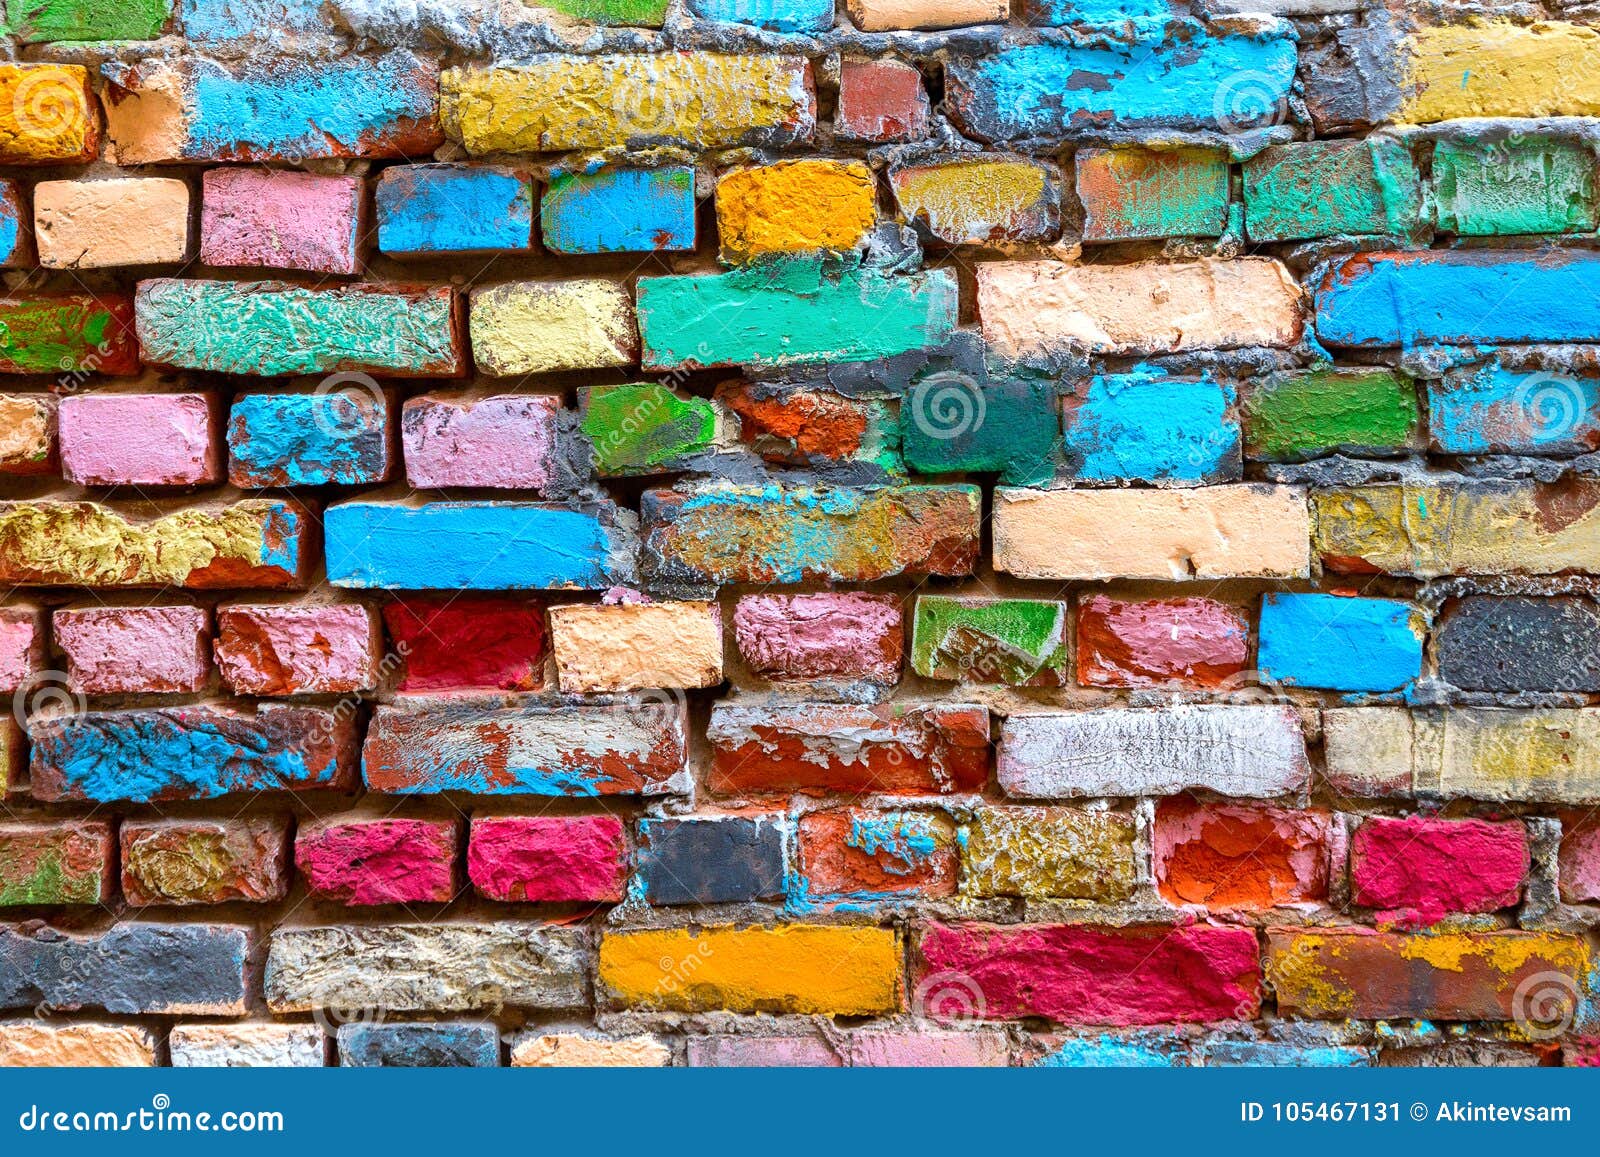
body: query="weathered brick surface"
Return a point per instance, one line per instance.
(1027, 528)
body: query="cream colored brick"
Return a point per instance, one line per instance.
(95, 224)
(36, 1044)
(539, 327)
(1243, 531)
(574, 1050)
(886, 15)
(631, 648)
(1037, 307)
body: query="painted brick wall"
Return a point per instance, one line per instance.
(732, 532)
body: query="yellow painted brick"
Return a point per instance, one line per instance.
(817, 969)
(795, 207)
(1497, 69)
(47, 115)
(697, 99)
(537, 327)
(1460, 528)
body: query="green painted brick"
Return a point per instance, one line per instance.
(642, 13)
(43, 21)
(58, 862)
(982, 640)
(1305, 415)
(646, 429)
(792, 311)
(951, 423)
(1129, 194)
(1298, 192)
(1486, 188)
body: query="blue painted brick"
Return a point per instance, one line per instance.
(476, 546)
(710, 861)
(775, 15)
(1277, 1055)
(619, 211)
(309, 439)
(1490, 409)
(1143, 426)
(14, 247)
(1340, 644)
(448, 1044)
(426, 209)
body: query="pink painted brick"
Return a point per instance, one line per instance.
(21, 645)
(288, 649)
(139, 439)
(1186, 642)
(504, 441)
(134, 650)
(823, 636)
(281, 220)
(548, 858)
(929, 1049)
(1579, 861)
(762, 1052)
(1421, 869)
(379, 861)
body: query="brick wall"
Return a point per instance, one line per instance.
(726, 532)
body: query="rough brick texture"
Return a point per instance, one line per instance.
(619, 532)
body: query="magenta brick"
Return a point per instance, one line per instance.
(548, 858)
(21, 645)
(1579, 862)
(762, 1052)
(139, 439)
(281, 220)
(1080, 974)
(134, 650)
(205, 861)
(930, 1048)
(379, 861)
(1420, 870)
(287, 649)
(881, 101)
(502, 441)
(823, 636)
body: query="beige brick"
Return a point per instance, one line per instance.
(885, 15)
(1540, 755)
(94, 224)
(1038, 307)
(630, 648)
(35, 1044)
(574, 1050)
(538, 327)
(1244, 531)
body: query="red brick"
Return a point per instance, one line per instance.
(548, 858)
(1428, 868)
(56, 862)
(1579, 860)
(1238, 857)
(468, 641)
(380, 861)
(1187, 642)
(1356, 973)
(881, 101)
(1079, 974)
(826, 747)
(851, 854)
(205, 861)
